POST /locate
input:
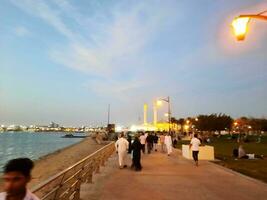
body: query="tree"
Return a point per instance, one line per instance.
(214, 122)
(181, 122)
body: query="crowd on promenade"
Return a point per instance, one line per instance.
(146, 143)
(143, 142)
(17, 172)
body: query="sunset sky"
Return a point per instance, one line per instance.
(66, 60)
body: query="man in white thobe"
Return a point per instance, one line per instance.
(122, 146)
(168, 143)
(162, 140)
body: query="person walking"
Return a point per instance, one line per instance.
(162, 139)
(155, 140)
(143, 142)
(136, 148)
(168, 143)
(16, 176)
(122, 146)
(129, 139)
(194, 145)
(149, 140)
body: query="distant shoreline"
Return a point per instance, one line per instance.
(62, 132)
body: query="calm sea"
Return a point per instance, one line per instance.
(31, 145)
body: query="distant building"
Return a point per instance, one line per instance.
(53, 125)
(13, 128)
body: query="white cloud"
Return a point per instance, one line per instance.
(41, 9)
(113, 87)
(22, 31)
(113, 43)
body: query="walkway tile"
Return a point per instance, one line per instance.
(171, 178)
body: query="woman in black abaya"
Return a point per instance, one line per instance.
(136, 148)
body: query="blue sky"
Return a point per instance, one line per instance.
(66, 60)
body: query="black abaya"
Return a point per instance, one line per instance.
(136, 148)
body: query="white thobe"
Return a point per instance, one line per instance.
(121, 147)
(168, 143)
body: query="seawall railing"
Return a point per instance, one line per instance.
(66, 184)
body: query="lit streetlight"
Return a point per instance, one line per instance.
(240, 24)
(159, 103)
(156, 104)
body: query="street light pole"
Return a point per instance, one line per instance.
(240, 24)
(262, 17)
(108, 113)
(169, 111)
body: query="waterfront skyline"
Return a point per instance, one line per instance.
(65, 61)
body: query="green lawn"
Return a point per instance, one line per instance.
(224, 146)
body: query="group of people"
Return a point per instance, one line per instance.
(123, 146)
(142, 143)
(153, 142)
(240, 153)
(17, 172)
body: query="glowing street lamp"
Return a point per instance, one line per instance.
(156, 104)
(240, 24)
(159, 103)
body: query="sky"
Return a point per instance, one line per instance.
(66, 60)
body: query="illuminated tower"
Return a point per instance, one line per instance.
(155, 114)
(145, 114)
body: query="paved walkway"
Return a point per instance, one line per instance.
(167, 178)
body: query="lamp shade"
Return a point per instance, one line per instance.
(240, 26)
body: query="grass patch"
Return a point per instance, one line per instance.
(223, 148)
(253, 168)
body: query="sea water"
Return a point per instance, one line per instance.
(31, 145)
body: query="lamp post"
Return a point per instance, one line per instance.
(240, 24)
(169, 110)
